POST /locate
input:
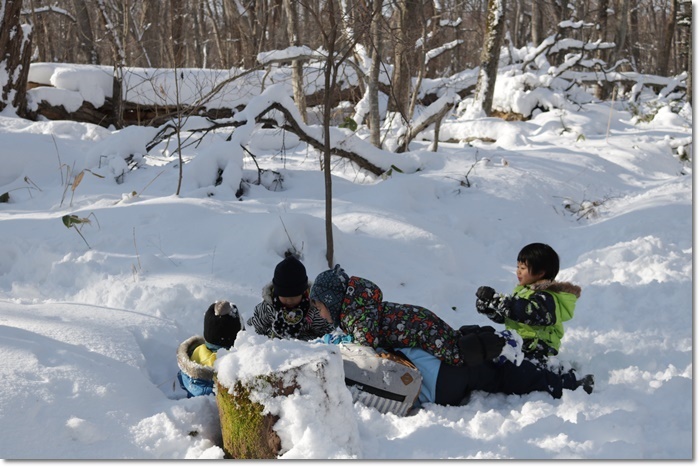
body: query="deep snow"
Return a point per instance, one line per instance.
(88, 334)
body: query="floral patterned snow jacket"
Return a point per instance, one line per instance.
(376, 323)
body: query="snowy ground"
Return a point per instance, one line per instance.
(88, 335)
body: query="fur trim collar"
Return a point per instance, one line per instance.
(190, 368)
(554, 286)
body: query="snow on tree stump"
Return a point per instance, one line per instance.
(248, 432)
(276, 396)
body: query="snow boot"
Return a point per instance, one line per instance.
(587, 382)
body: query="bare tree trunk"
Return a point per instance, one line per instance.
(420, 55)
(119, 64)
(373, 81)
(177, 31)
(329, 82)
(685, 21)
(214, 20)
(602, 24)
(536, 27)
(398, 101)
(137, 33)
(602, 90)
(634, 38)
(518, 24)
(490, 53)
(621, 35)
(153, 40)
(40, 34)
(200, 58)
(15, 44)
(87, 40)
(669, 31)
(297, 68)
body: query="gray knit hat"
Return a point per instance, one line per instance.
(329, 288)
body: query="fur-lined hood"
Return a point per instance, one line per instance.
(268, 292)
(190, 368)
(554, 286)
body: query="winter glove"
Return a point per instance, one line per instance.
(468, 329)
(480, 346)
(491, 304)
(492, 344)
(485, 293)
(334, 338)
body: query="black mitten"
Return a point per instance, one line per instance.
(481, 346)
(469, 329)
(485, 293)
(492, 343)
(474, 329)
(470, 349)
(489, 303)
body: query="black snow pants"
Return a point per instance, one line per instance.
(455, 383)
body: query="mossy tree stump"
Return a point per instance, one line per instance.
(247, 432)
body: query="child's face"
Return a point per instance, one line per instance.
(322, 310)
(290, 302)
(525, 276)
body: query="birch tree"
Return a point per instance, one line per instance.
(685, 22)
(490, 54)
(373, 117)
(290, 8)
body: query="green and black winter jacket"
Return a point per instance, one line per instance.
(537, 312)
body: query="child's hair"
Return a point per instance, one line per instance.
(540, 257)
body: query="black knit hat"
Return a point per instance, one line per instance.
(221, 324)
(290, 278)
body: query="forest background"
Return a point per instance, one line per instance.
(445, 117)
(406, 40)
(395, 67)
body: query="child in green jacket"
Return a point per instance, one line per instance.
(538, 306)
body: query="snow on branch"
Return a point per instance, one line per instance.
(436, 52)
(289, 54)
(274, 107)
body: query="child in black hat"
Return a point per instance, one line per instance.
(196, 356)
(285, 311)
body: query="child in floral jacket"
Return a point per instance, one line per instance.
(538, 306)
(356, 306)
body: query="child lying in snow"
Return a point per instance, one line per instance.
(356, 306)
(445, 384)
